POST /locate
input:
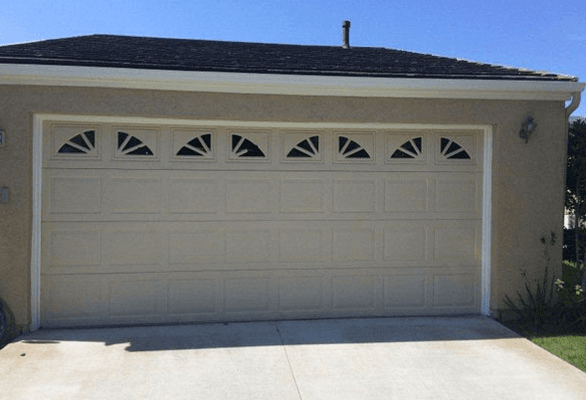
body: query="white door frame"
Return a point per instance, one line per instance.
(39, 119)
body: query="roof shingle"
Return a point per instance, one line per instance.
(205, 55)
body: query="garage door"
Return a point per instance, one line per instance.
(172, 223)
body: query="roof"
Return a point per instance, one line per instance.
(131, 52)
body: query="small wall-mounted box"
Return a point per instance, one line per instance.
(4, 195)
(2, 138)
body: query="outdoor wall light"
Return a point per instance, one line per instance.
(527, 128)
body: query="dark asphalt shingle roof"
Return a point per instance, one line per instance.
(206, 55)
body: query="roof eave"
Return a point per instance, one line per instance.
(282, 84)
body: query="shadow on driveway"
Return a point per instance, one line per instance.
(277, 333)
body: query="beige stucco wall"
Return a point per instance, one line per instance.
(528, 179)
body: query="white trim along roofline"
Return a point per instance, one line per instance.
(309, 85)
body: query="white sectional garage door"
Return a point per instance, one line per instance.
(171, 223)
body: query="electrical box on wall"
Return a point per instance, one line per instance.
(5, 195)
(2, 138)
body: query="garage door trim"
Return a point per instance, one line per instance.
(39, 119)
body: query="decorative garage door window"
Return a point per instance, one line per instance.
(307, 148)
(316, 146)
(350, 149)
(242, 147)
(355, 147)
(249, 146)
(191, 145)
(447, 149)
(129, 145)
(199, 146)
(83, 143)
(411, 149)
(450, 150)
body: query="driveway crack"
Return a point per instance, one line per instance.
(288, 361)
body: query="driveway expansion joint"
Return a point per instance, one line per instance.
(288, 361)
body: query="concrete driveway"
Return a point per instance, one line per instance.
(382, 358)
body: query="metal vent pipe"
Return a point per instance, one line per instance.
(346, 36)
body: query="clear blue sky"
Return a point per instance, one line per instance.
(537, 34)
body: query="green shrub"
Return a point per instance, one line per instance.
(538, 308)
(572, 298)
(7, 328)
(569, 287)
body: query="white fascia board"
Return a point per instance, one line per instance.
(227, 82)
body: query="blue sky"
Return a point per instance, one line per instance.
(539, 35)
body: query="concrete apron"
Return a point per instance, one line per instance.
(382, 358)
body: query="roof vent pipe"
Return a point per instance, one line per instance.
(346, 38)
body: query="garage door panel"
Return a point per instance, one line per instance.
(406, 242)
(73, 297)
(221, 295)
(196, 247)
(73, 194)
(194, 196)
(134, 249)
(104, 195)
(193, 296)
(458, 193)
(406, 193)
(301, 294)
(137, 296)
(355, 195)
(247, 295)
(302, 195)
(206, 228)
(454, 290)
(250, 245)
(303, 245)
(457, 243)
(354, 293)
(71, 250)
(405, 291)
(134, 195)
(248, 196)
(354, 244)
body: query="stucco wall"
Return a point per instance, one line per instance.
(528, 179)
